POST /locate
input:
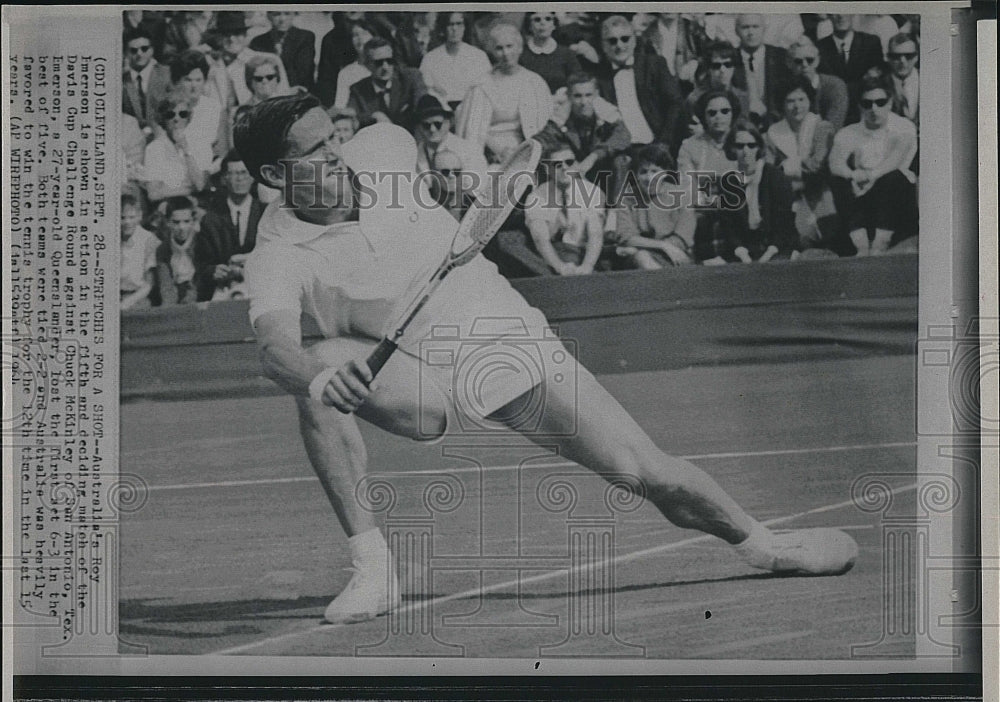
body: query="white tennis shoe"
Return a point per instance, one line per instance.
(813, 552)
(802, 552)
(371, 592)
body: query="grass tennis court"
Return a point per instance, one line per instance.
(237, 550)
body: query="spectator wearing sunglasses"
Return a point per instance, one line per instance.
(449, 189)
(595, 132)
(543, 55)
(565, 221)
(872, 184)
(145, 83)
(831, 101)
(761, 228)
(172, 167)
(231, 29)
(705, 152)
(433, 120)
(639, 83)
(391, 92)
(716, 73)
(296, 48)
(263, 77)
(903, 55)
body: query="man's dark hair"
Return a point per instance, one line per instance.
(876, 79)
(232, 157)
(130, 200)
(176, 203)
(902, 38)
(139, 32)
(721, 49)
(797, 83)
(579, 77)
(656, 154)
(187, 62)
(376, 43)
(260, 131)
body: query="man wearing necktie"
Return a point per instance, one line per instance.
(296, 47)
(761, 69)
(391, 92)
(145, 82)
(228, 230)
(647, 95)
(849, 54)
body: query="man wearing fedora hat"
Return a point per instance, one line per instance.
(432, 128)
(231, 30)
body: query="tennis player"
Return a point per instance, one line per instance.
(346, 252)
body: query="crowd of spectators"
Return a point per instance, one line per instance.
(668, 139)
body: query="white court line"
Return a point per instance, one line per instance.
(515, 466)
(541, 577)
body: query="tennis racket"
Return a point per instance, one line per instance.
(477, 227)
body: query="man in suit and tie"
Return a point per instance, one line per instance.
(903, 55)
(391, 92)
(296, 47)
(761, 69)
(145, 83)
(639, 83)
(228, 230)
(848, 55)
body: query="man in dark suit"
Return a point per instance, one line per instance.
(640, 83)
(296, 47)
(391, 92)
(761, 70)
(228, 230)
(848, 55)
(145, 82)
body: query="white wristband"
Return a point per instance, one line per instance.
(318, 383)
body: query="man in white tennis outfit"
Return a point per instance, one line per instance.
(347, 251)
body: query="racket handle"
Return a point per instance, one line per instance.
(380, 355)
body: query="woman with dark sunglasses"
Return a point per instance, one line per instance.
(873, 186)
(172, 167)
(753, 219)
(704, 152)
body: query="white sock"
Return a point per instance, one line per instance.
(368, 549)
(758, 548)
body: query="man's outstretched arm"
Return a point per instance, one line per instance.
(298, 372)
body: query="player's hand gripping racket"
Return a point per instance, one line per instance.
(476, 229)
